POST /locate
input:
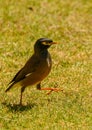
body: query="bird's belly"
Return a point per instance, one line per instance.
(44, 73)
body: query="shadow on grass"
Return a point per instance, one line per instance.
(17, 107)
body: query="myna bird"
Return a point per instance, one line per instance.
(36, 68)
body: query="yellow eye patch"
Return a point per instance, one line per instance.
(46, 43)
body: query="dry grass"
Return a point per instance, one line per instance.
(68, 22)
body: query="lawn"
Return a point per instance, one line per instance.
(67, 22)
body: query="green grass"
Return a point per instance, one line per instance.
(69, 23)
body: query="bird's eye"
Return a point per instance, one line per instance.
(44, 43)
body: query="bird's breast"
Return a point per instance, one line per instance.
(45, 67)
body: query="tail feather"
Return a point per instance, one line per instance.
(10, 87)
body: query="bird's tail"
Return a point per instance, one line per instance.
(10, 87)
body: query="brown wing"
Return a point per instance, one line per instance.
(29, 67)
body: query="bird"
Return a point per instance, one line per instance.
(35, 69)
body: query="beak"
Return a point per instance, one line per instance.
(54, 43)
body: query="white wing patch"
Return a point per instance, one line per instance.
(28, 74)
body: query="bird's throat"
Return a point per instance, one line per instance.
(44, 53)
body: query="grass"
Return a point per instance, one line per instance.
(67, 22)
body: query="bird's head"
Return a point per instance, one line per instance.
(43, 43)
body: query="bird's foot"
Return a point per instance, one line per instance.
(55, 90)
(51, 90)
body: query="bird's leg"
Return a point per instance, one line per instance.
(51, 89)
(22, 90)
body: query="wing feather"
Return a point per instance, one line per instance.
(28, 69)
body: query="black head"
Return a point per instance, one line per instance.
(43, 43)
